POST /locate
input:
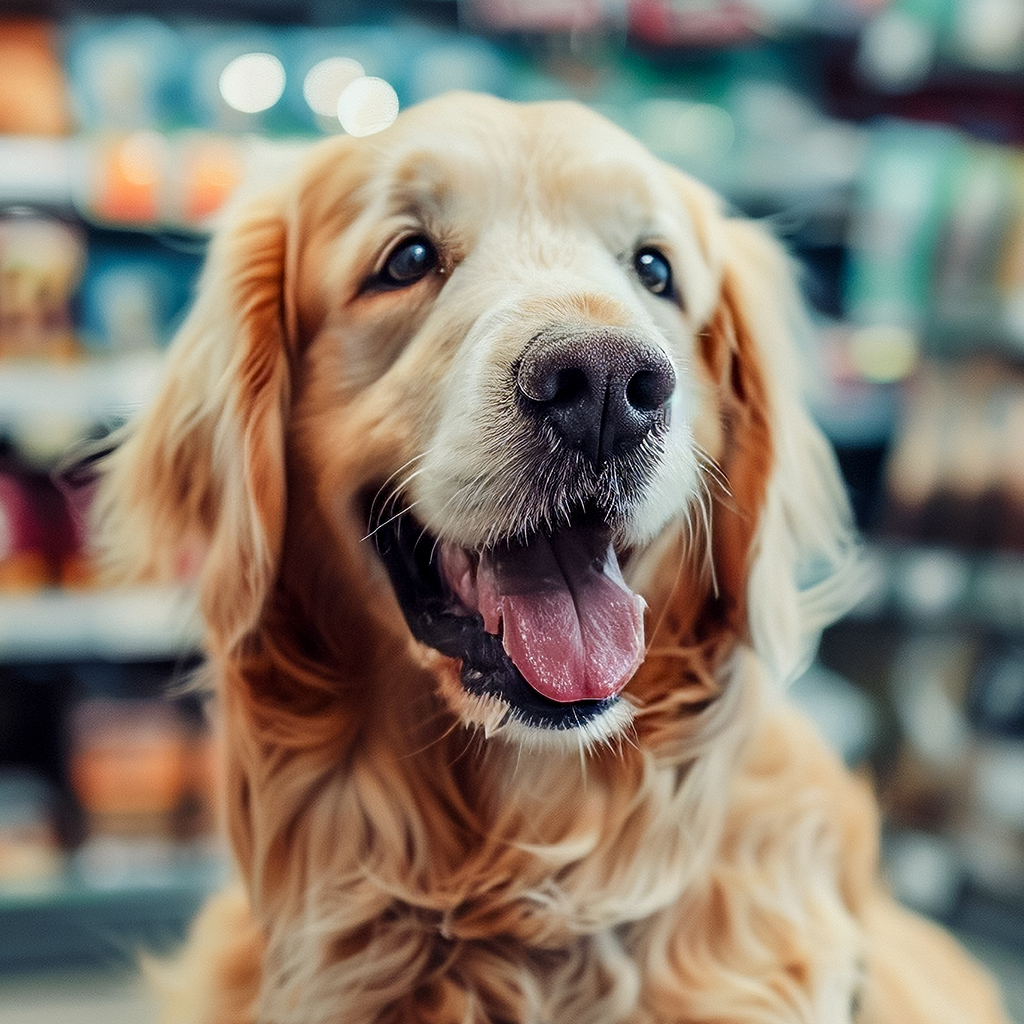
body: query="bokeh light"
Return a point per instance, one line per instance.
(367, 106)
(252, 82)
(327, 80)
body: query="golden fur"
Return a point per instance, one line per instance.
(405, 853)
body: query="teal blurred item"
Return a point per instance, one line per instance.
(904, 195)
(124, 73)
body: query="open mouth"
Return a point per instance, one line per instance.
(546, 626)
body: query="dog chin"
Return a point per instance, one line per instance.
(497, 719)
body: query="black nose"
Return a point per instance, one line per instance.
(602, 391)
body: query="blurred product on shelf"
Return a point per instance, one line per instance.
(665, 23)
(42, 531)
(33, 94)
(550, 17)
(133, 292)
(140, 74)
(129, 172)
(30, 850)
(937, 240)
(996, 704)
(122, 70)
(956, 473)
(955, 777)
(210, 170)
(140, 771)
(905, 42)
(107, 834)
(127, 761)
(41, 261)
(146, 178)
(23, 561)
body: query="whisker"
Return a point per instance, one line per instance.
(628, 735)
(451, 507)
(713, 470)
(382, 487)
(583, 755)
(472, 738)
(398, 515)
(399, 489)
(683, 557)
(433, 547)
(704, 504)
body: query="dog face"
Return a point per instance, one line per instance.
(497, 394)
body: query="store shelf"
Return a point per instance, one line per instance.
(37, 170)
(62, 174)
(137, 623)
(919, 585)
(75, 920)
(86, 391)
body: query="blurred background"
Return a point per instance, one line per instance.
(879, 138)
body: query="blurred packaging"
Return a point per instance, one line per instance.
(23, 560)
(29, 847)
(145, 178)
(137, 74)
(132, 294)
(551, 16)
(958, 773)
(41, 262)
(672, 23)
(124, 72)
(42, 530)
(956, 475)
(140, 770)
(33, 91)
(937, 241)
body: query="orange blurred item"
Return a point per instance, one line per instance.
(211, 170)
(33, 90)
(130, 176)
(128, 762)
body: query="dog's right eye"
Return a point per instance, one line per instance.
(409, 261)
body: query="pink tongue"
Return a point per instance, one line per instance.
(571, 625)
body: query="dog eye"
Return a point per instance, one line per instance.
(654, 271)
(410, 260)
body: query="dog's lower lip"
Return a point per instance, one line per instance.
(437, 618)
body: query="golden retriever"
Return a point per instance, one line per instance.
(485, 437)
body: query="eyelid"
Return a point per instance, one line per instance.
(394, 241)
(373, 281)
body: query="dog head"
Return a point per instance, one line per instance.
(497, 396)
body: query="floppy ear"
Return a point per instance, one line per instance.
(196, 486)
(783, 539)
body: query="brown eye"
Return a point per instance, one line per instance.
(654, 271)
(410, 261)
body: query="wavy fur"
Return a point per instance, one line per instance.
(404, 852)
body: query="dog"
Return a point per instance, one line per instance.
(484, 443)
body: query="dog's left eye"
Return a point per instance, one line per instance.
(410, 260)
(654, 271)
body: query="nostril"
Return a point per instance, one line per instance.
(649, 390)
(570, 386)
